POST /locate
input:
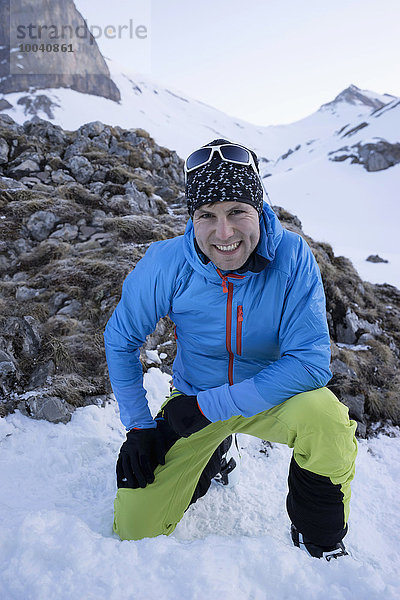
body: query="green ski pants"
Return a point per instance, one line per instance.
(315, 424)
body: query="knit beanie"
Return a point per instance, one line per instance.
(220, 181)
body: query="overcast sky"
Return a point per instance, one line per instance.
(268, 62)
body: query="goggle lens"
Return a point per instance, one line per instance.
(198, 158)
(235, 153)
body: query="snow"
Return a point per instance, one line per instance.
(356, 348)
(355, 211)
(57, 488)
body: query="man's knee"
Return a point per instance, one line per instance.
(325, 442)
(136, 516)
(319, 410)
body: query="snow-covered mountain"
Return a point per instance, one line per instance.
(315, 167)
(181, 123)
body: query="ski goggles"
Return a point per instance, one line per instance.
(232, 153)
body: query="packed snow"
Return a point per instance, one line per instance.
(56, 508)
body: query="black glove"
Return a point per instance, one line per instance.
(184, 416)
(139, 455)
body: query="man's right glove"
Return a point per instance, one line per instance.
(139, 455)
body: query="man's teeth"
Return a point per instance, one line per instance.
(228, 248)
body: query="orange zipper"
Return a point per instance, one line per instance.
(229, 290)
(239, 321)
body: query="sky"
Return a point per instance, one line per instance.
(270, 62)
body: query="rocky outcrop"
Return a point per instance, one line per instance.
(77, 211)
(375, 258)
(373, 156)
(82, 69)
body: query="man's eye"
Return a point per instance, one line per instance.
(206, 216)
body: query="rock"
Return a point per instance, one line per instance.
(361, 430)
(98, 400)
(92, 129)
(139, 201)
(81, 168)
(101, 237)
(48, 131)
(157, 161)
(99, 176)
(8, 369)
(98, 217)
(23, 334)
(378, 156)
(4, 104)
(9, 184)
(24, 168)
(30, 181)
(41, 223)
(71, 308)
(34, 104)
(4, 150)
(375, 258)
(364, 338)
(27, 293)
(5, 264)
(66, 232)
(166, 192)
(80, 145)
(61, 177)
(355, 404)
(339, 367)
(50, 408)
(40, 375)
(85, 71)
(347, 331)
(57, 301)
(85, 232)
(375, 156)
(22, 245)
(20, 276)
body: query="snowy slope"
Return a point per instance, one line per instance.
(56, 493)
(354, 210)
(182, 123)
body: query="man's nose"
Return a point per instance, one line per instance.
(224, 230)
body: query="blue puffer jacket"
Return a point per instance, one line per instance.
(245, 343)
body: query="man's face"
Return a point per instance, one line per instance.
(227, 232)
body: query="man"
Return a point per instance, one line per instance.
(253, 353)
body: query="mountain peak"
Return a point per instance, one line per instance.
(356, 96)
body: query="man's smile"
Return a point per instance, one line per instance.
(227, 248)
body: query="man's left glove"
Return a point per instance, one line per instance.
(184, 415)
(139, 455)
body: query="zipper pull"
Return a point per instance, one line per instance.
(224, 278)
(240, 314)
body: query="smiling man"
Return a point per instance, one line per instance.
(253, 353)
(227, 233)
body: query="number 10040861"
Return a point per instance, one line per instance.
(45, 48)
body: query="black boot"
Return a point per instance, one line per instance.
(312, 549)
(229, 472)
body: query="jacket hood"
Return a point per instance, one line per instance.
(271, 232)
